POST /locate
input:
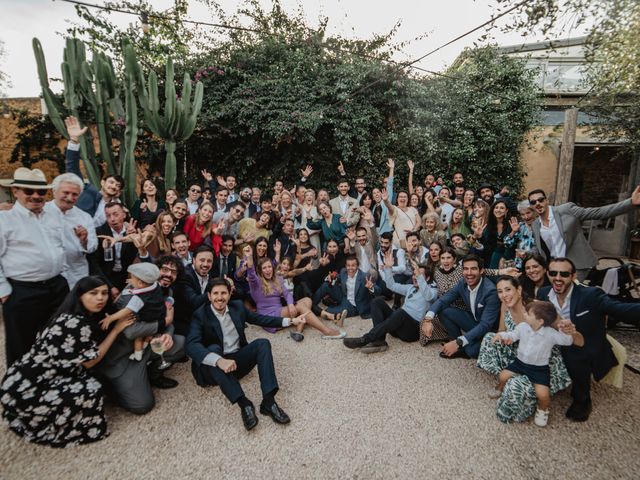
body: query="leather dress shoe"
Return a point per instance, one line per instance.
(163, 382)
(459, 354)
(297, 336)
(249, 417)
(579, 411)
(275, 412)
(375, 347)
(354, 342)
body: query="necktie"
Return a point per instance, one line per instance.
(223, 268)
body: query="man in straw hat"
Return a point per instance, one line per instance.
(31, 260)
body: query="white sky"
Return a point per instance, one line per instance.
(21, 20)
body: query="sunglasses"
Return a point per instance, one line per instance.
(535, 201)
(563, 274)
(195, 190)
(30, 191)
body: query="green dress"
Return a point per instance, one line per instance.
(518, 400)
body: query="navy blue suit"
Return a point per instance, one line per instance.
(90, 197)
(189, 297)
(205, 336)
(589, 308)
(455, 321)
(339, 294)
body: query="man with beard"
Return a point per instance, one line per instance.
(362, 243)
(254, 206)
(486, 191)
(31, 262)
(345, 205)
(558, 230)
(228, 223)
(587, 308)
(397, 270)
(91, 200)
(190, 290)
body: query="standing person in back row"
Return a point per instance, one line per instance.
(558, 230)
(31, 261)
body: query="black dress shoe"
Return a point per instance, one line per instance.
(163, 382)
(459, 354)
(354, 342)
(579, 411)
(249, 417)
(275, 412)
(375, 347)
(297, 336)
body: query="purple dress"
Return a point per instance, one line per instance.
(271, 303)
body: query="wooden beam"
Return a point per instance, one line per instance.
(563, 182)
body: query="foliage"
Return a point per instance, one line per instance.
(36, 141)
(613, 54)
(285, 95)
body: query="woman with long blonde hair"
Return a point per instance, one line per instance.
(268, 290)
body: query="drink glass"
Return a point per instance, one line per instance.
(108, 251)
(157, 346)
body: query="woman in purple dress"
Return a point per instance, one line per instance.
(268, 291)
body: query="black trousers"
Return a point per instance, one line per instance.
(579, 368)
(28, 309)
(395, 322)
(255, 353)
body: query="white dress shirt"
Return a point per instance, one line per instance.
(535, 345)
(351, 289)
(31, 246)
(363, 259)
(203, 282)
(565, 310)
(230, 336)
(344, 205)
(193, 207)
(75, 265)
(552, 236)
(473, 294)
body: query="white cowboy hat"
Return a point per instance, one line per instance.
(25, 178)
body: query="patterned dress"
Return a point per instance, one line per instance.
(48, 396)
(518, 400)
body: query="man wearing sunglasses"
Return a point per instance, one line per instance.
(558, 230)
(31, 261)
(587, 308)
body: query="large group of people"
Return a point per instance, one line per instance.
(101, 298)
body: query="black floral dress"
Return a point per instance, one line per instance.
(48, 397)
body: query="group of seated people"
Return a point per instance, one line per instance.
(116, 294)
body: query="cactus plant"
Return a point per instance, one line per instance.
(180, 115)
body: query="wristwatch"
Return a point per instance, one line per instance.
(459, 342)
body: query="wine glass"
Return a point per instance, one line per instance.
(157, 346)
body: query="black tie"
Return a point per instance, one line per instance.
(223, 269)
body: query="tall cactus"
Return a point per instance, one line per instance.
(180, 115)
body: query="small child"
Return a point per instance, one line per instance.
(142, 297)
(537, 338)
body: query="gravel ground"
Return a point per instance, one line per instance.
(405, 413)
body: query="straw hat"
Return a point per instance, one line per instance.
(25, 178)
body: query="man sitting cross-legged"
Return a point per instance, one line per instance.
(404, 322)
(221, 354)
(467, 328)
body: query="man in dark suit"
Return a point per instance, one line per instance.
(225, 262)
(468, 328)
(283, 232)
(191, 288)
(558, 230)
(222, 355)
(353, 294)
(587, 308)
(113, 265)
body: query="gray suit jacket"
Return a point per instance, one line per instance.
(117, 357)
(569, 218)
(352, 217)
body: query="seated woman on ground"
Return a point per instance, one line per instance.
(40, 392)
(495, 357)
(269, 292)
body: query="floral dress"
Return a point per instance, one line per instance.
(518, 400)
(48, 396)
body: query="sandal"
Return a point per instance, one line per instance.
(340, 318)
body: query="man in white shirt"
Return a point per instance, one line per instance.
(194, 198)
(345, 205)
(31, 261)
(78, 234)
(558, 230)
(180, 246)
(222, 355)
(399, 266)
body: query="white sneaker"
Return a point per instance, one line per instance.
(495, 393)
(541, 418)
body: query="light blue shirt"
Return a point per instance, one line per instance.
(417, 299)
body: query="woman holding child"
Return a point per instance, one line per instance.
(49, 396)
